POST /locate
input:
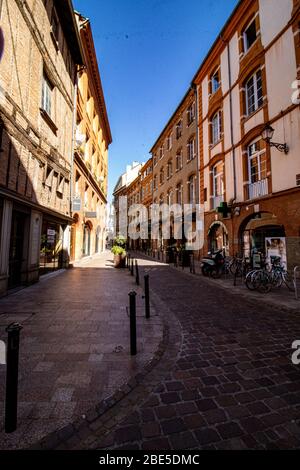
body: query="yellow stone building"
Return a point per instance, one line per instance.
(93, 137)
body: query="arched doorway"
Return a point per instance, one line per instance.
(218, 238)
(86, 244)
(259, 233)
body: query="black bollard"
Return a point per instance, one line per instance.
(12, 369)
(137, 277)
(147, 296)
(132, 310)
(131, 269)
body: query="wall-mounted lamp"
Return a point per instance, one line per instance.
(267, 135)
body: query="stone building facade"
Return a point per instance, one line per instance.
(37, 92)
(175, 161)
(249, 188)
(93, 137)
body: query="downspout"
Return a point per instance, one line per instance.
(195, 87)
(231, 120)
(73, 142)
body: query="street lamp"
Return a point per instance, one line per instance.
(267, 135)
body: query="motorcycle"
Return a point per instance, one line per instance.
(213, 264)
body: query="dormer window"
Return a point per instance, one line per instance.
(250, 35)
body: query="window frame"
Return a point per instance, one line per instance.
(257, 106)
(217, 115)
(245, 38)
(216, 72)
(258, 154)
(46, 98)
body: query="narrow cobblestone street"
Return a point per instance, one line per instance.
(74, 346)
(225, 381)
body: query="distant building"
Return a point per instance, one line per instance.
(122, 189)
(93, 137)
(37, 93)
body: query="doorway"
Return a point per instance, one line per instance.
(16, 250)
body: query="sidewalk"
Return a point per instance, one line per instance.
(282, 299)
(74, 348)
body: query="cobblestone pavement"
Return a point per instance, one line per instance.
(225, 381)
(74, 349)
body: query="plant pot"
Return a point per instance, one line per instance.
(119, 261)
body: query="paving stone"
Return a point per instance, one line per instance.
(183, 441)
(207, 436)
(127, 434)
(151, 429)
(172, 426)
(170, 397)
(229, 430)
(206, 404)
(167, 411)
(215, 416)
(156, 444)
(194, 421)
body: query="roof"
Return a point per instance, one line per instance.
(89, 50)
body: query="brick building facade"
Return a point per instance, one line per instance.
(37, 92)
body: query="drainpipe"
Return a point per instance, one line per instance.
(231, 120)
(73, 142)
(195, 88)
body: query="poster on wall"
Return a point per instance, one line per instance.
(276, 248)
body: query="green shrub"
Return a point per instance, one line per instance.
(118, 250)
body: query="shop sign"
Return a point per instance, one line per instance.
(276, 248)
(91, 215)
(76, 205)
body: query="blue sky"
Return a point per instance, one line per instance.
(148, 52)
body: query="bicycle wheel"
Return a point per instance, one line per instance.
(264, 282)
(277, 279)
(251, 280)
(289, 281)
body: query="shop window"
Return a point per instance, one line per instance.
(254, 93)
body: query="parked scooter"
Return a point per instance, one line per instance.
(213, 264)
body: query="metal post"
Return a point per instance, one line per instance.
(131, 269)
(137, 277)
(132, 310)
(147, 296)
(12, 369)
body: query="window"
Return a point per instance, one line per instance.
(190, 114)
(254, 93)
(55, 26)
(179, 160)
(154, 160)
(191, 149)
(216, 128)
(250, 35)
(169, 197)
(169, 142)
(46, 95)
(155, 182)
(179, 129)
(257, 162)
(191, 189)
(161, 176)
(161, 199)
(169, 169)
(215, 81)
(218, 180)
(179, 194)
(161, 152)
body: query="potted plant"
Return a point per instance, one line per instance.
(119, 256)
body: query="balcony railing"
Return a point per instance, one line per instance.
(216, 201)
(258, 189)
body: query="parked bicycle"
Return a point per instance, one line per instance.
(267, 278)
